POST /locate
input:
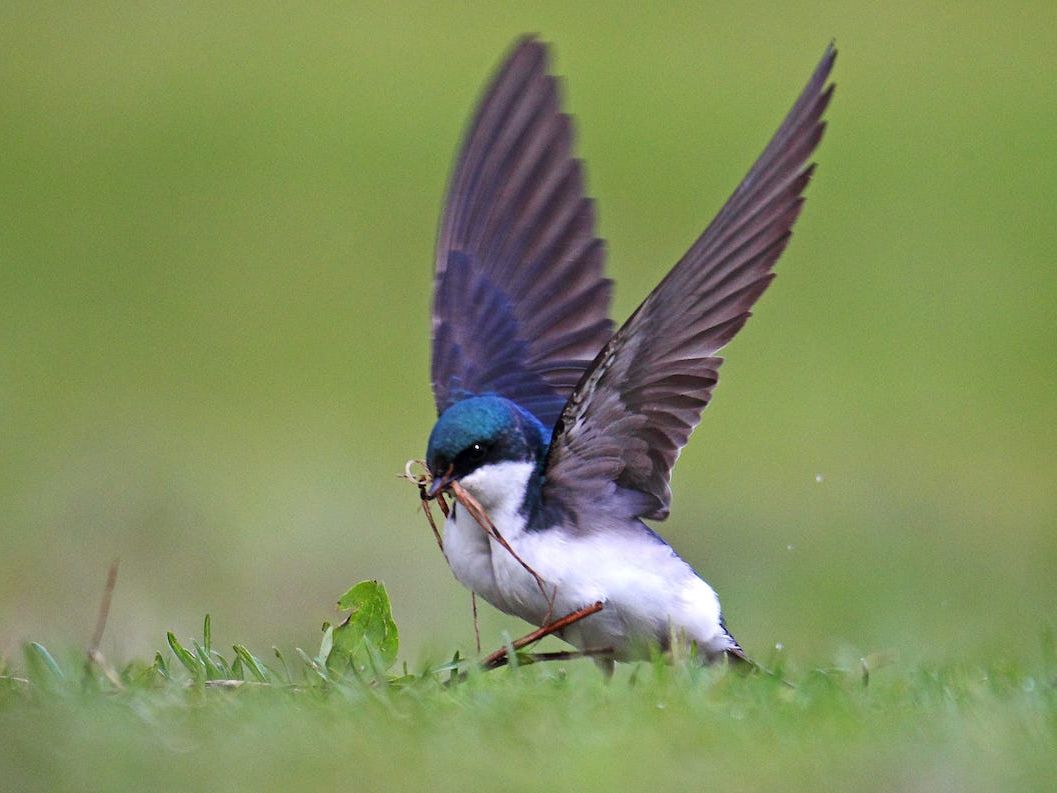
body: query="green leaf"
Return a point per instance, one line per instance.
(368, 639)
(207, 634)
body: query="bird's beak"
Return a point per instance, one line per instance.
(440, 483)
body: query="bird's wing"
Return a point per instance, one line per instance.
(520, 305)
(637, 404)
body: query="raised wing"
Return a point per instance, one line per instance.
(636, 406)
(520, 305)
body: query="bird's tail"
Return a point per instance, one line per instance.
(735, 655)
(737, 658)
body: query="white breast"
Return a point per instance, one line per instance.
(646, 587)
(469, 550)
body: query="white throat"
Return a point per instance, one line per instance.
(500, 488)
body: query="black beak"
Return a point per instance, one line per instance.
(440, 483)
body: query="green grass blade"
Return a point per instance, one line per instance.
(213, 672)
(185, 657)
(38, 657)
(251, 662)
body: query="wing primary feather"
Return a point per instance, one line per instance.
(517, 227)
(637, 403)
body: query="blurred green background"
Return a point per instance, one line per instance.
(216, 230)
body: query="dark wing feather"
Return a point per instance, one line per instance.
(520, 304)
(636, 406)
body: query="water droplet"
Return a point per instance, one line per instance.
(819, 477)
(779, 646)
(790, 547)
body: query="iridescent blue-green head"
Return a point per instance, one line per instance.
(480, 431)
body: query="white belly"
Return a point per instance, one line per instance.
(646, 589)
(469, 553)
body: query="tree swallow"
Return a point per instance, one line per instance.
(564, 431)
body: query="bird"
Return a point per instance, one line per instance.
(564, 429)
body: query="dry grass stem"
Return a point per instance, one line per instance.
(104, 607)
(94, 655)
(499, 657)
(476, 623)
(422, 482)
(433, 525)
(473, 507)
(477, 512)
(605, 653)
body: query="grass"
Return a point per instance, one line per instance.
(357, 720)
(216, 235)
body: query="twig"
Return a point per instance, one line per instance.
(475, 509)
(94, 655)
(476, 624)
(559, 655)
(499, 657)
(422, 482)
(104, 608)
(433, 524)
(477, 512)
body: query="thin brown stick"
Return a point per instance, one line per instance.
(433, 525)
(104, 608)
(559, 655)
(422, 482)
(476, 623)
(499, 657)
(477, 512)
(94, 655)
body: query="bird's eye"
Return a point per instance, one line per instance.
(475, 452)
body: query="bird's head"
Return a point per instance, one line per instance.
(482, 431)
